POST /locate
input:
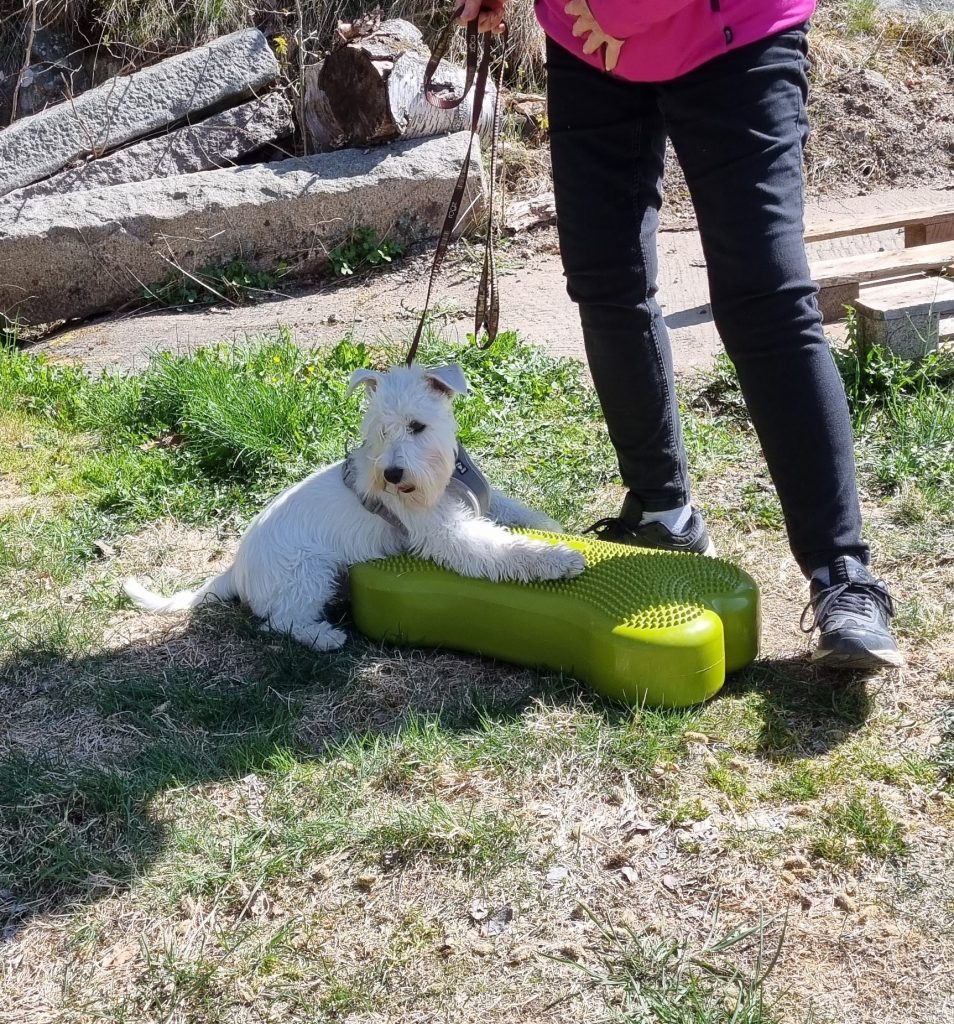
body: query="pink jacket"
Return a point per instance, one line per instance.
(663, 39)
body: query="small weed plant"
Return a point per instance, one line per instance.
(232, 282)
(657, 979)
(363, 250)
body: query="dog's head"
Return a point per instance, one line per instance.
(409, 430)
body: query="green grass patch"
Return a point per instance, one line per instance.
(460, 838)
(232, 282)
(211, 436)
(729, 781)
(902, 413)
(858, 826)
(799, 782)
(659, 979)
(363, 250)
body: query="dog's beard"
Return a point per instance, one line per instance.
(424, 480)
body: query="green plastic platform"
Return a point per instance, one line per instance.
(640, 626)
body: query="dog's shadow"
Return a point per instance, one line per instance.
(91, 741)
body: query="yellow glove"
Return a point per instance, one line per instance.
(586, 23)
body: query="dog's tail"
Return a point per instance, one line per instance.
(219, 588)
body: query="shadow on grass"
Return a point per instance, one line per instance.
(97, 742)
(803, 710)
(92, 741)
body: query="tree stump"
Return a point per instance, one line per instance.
(371, 90)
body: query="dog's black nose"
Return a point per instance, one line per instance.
(393, 474)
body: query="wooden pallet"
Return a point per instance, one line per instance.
(929, 246)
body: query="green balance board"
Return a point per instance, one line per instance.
(640, 626)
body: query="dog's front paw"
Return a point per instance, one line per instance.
(558, 562)
(327, 638)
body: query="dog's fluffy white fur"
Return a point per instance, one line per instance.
(295, 552)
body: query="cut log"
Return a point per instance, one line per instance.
(530, 213)
(371, 91)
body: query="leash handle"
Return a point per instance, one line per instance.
(477, 72)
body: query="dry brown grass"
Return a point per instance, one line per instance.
(358, 936)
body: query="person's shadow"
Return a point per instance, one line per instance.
(92, 744)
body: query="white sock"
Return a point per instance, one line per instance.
(674, 519)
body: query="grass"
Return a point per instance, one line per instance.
(233, 825)
(233, 282)
(858, 826)
(925, 36)
(363, 250)
(656, 979)
(903, 419)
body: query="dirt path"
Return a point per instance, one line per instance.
(533, 302)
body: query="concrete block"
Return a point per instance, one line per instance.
(904, 317)
(218, 141)
(910, 337)
(832, 300)
(70, 256)
(126, 108)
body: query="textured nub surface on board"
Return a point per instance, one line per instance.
(640, 626)
(637, 588)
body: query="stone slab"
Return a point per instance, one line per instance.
(70, 256)
(833, 299)
(218, 141)
(910, 337)
(127, 108)
(919, 297)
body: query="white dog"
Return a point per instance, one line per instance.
(394, 493)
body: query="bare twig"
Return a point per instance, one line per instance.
(27, 61)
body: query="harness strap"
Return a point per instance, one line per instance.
(487, 313)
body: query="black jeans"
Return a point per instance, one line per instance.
(738, 127)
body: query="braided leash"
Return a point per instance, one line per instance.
(477, 72)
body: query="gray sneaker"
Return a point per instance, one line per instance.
(694, 538)
(852, 614)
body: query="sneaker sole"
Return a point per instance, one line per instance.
(859, 660)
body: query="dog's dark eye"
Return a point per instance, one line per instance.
(415, 427)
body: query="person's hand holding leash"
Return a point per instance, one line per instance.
(489, 14)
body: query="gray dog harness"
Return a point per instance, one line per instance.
(468, 485)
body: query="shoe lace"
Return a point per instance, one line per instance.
(855, 598)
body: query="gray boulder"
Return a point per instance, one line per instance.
(218, 141)
(71, 256)
(122, 109)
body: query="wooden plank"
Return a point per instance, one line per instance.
(871, 266)
(841, 225)
(926, 234)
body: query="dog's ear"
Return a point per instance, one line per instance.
(362, 376)
(449, 380)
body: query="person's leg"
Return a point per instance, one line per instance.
(738, 126)
(607, 144)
